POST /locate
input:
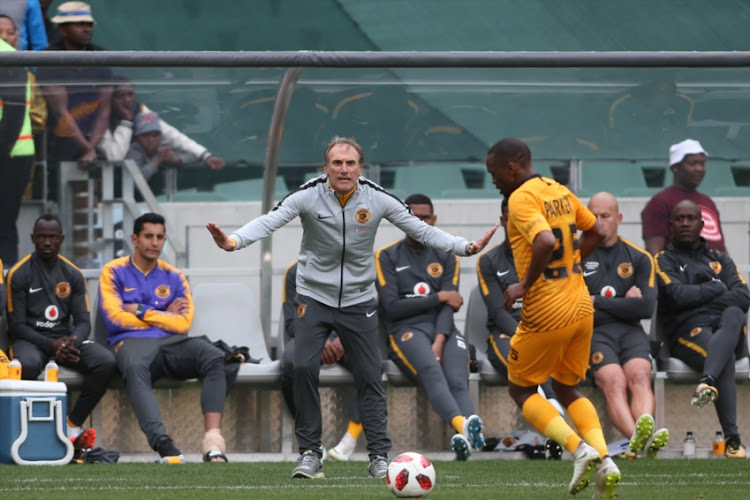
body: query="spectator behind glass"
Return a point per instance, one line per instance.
(16, 144)
(27, 15)
(53, 35)
(147, 149)
(118, 137)
(78, 97)
(687, 161)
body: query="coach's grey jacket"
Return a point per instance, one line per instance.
(336, 260)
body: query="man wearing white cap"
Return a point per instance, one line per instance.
(687, 161)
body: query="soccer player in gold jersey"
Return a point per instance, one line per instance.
(553, 338)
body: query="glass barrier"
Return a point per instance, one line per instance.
(592, 128)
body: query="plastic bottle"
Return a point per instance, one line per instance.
(4, 362)
(51, 371)
(718, 446)
(688, 446)
(14, 370)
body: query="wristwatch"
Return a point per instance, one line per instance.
(139, 310)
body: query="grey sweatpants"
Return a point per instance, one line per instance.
(446, 382)
(357, 327)
(143, 361)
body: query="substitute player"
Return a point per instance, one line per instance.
(418, 291)
(340, 213)
(49, 317)
(554, 336)
(621, 280)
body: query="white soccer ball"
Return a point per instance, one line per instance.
(410, 475)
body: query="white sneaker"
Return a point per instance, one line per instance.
(607, 478)
(343, 451)
(585, 460)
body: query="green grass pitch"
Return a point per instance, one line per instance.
(486, 479)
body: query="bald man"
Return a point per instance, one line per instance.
(702, 301)
(620, 279)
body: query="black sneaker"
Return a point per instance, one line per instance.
(168, 451)
(553, 449)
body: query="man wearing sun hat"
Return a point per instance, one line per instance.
(78, 97)
(687, 161)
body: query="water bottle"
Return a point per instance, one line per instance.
(688, 446)
(4, 362)
(14, 370)
(51, 371)
(718, 448)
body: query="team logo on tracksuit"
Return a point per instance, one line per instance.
(62, 289)
(362, 216)
(716, 266)
(162, 291)
(597, 358)
(301, 310)
(625, 270)
(435, 269)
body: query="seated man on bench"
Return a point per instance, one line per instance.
(148, 309)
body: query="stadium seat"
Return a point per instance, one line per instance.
(719, 180)
(476, 332)
(229, 312)
(618, 178)
(431, 180)
(677, 371)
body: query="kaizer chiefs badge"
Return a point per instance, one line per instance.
(362, 216)
(301, 310)
(406, 336)
(625, 270)
(62, 289)
(695, 331)
(716, 266)
(162, 291)
(435, 269)
(597, 358)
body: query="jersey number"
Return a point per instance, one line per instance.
(556, 269)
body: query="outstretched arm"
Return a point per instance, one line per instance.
(478, 245)
(220, 237)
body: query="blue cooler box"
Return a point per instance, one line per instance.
(33, 418)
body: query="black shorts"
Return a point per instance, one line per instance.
(618, 343)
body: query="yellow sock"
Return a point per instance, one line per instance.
(457, 423)
(547, 420)
(584, 416)
(354, 429)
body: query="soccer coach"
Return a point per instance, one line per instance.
(340, 212)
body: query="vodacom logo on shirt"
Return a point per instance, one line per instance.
(711, 230)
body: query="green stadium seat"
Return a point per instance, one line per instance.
(431, 180)
(617, 178)
(719, 180)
